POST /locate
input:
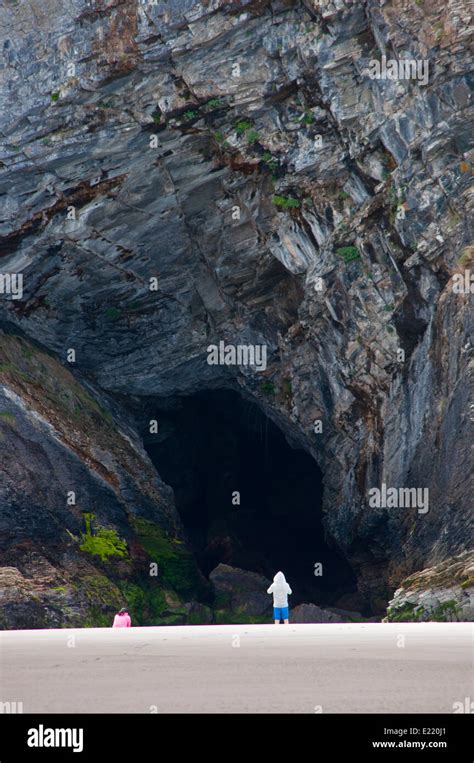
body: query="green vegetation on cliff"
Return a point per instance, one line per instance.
(407, 613)
(348, 253)
(286, 202)
(149, 604)
(411, 613)
(446, 612)
(102, 598)
(103, 542)
(176, 565)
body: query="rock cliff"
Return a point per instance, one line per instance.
(177, 174)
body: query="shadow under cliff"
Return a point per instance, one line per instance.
(245, 497)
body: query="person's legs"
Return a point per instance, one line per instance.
(277, 615)
(285, 615)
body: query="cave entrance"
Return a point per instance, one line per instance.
(215, 445)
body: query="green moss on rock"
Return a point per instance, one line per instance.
(407, 613)
(286, 202)
(103, 599)
(411, 613)
(146, 602)
(223, 600)
(98, 589)
(176, 565)
(446, 612)
(105, 542)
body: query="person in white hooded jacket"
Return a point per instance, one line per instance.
(280, 590)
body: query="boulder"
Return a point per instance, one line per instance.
(311, 613)
(241, 590)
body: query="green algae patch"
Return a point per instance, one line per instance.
(411, 613)
(446, 612)
(146, 604)
(98, 589)
(407, 613)
(134, 598)
(104, 542)
(102, 598)
(176, 565)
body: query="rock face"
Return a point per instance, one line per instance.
(174, 175)
(443, 592)
(83, 513)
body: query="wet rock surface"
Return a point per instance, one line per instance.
(239, 153)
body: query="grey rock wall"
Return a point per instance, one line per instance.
(134, 163)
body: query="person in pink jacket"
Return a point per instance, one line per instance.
(122, 619)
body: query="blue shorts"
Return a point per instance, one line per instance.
(280, 613)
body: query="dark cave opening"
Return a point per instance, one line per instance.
(216, 444)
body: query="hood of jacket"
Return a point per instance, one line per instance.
(279, 579)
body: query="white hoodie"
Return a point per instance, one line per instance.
(280, 590)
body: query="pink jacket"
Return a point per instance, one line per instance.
(122, 621)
